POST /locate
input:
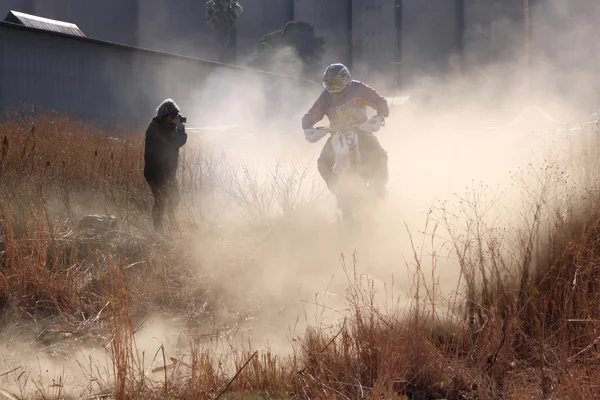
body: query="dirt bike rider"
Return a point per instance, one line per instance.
(345, 102)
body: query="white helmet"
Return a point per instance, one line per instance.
(336, 78)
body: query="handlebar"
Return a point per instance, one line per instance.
(348, 128)
(315, 134)
(332, 131)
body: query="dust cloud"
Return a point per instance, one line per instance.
(435, 153)
(455, 135)
(287, 268)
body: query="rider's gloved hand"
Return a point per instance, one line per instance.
(373, 124)
(313, 135)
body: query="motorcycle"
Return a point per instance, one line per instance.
(352, 190)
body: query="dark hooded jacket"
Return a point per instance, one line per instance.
(161, 150)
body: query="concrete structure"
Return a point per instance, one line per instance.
(565, 51)
(493, 31)
(177, 27)
(431, 36)
(375, 40)
(259, 18)
(180, 26)
(98, 80)
(332, 20)
(382, 40)
(436, 37)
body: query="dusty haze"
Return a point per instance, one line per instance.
(465, 134)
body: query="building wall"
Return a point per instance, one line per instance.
(259, 18)
(374, 41)
(363, 33)
(494, 32)
(25, 6)
(332, 20)
(177, 27)
(565, 51)
(478, 32)
(507, 30)
(110, 20)
(99, 80)
(431, 37)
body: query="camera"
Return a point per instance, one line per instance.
(183, 119)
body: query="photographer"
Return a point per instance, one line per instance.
(164, 136)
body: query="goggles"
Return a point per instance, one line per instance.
(334, 85)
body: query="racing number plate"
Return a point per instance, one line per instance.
(344, 143)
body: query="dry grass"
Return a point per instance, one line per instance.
(523, 324)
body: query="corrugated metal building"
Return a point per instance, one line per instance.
(33, 21)
(177, 27)
(90, 78)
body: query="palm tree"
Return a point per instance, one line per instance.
(222, 15)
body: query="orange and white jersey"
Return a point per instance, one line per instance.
(348, 110)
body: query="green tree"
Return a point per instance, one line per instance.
(285, 47)
(222, 15)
